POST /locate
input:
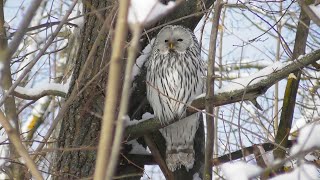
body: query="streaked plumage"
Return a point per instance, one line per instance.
(174, 78)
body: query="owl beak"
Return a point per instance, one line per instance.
(170, 45)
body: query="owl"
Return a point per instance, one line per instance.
(175, 74)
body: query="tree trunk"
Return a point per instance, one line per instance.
(80, 125)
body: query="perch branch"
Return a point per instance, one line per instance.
(157, 157)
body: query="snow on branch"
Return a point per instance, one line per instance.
(247, 89)
(147, 11)
(42, 90)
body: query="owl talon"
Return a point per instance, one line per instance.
(187, 160)
(172, 161)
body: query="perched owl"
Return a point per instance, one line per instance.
(175, 73)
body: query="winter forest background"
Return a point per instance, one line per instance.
(62, 61)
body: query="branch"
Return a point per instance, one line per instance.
(113, 86)
(248, 151)
(207, 173)
(53, 89)
(291, 90)
(157, 157)
(21, 150)
(249, 92)
(39, 55)
(308, 9)
(148, 160)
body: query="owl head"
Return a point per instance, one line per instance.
(174, 39)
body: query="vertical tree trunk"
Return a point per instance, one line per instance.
(80, 127)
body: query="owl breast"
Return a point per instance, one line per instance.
(173, 80)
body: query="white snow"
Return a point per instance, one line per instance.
(315, 9)
(1, 68)
(240, 83)
(141, 59)
(145, 116)
(42, 87)
(308, 138)
(240, 170)
(137, 148)
(304, 172)
(144, 11)
(297, 124)
(78, 21)
(196, 177)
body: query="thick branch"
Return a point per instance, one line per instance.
(250, 92)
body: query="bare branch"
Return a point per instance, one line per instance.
(39, 55)
(15, 140)
(312, 15)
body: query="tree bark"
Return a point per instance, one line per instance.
(80, 126)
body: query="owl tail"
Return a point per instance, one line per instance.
(179, 138)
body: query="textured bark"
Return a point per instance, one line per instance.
(79, 127)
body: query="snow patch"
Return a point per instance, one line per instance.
(137, 148)
(43, 87)
(141, 59)
(307, 139)
(305, 171)
(1, 68)
(298, 124)
(240, 170)
(145, 116)
(254, 78)
(196, 177)
(144, 11)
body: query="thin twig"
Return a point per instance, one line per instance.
(39, 55)
(15, 140)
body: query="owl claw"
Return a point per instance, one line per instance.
(186, 159)
(172, 161)
(175, 160)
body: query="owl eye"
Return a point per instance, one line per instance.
(166, 40)
(180, 40)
